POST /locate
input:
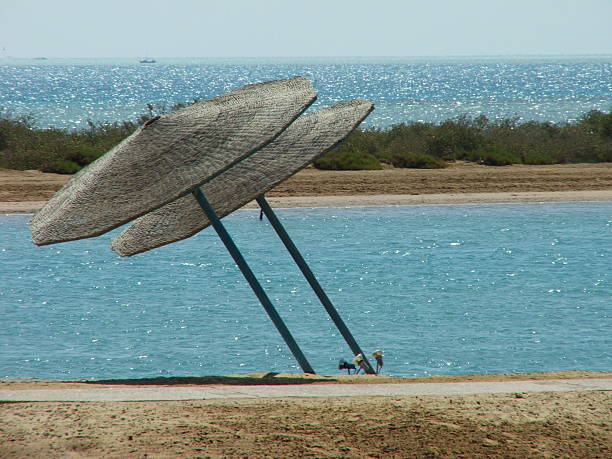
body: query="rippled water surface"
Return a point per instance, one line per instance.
(67, 93)
(441, 289)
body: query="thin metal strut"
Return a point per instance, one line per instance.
(252, 280)
(312, 280)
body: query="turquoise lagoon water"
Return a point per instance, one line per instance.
(66, 93)
(441, 289)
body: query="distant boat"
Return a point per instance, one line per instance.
(148, 60)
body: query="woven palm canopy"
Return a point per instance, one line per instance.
(168, 157)
(302, 142)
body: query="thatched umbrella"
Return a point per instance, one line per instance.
(168, 157)
(307, 138)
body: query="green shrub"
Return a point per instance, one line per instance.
(369, 140)
(83, 157)
(537, 159)
(384, 157)
(347, 161)
(61, 166)
(405, 138)
(451, 139)
(417, 161)
(494, 157)
(597, 122)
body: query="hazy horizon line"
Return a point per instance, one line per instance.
(424, 56)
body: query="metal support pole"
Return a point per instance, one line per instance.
(314, 283)
(252, 280)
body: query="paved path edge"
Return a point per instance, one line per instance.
(208, 392)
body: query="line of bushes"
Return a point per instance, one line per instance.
(417, 145)
(491, 142)
(24, 146)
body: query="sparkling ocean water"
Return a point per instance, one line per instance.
(68, 92)
(441, 289)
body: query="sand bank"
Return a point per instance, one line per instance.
(460, 183)
(30, 207)
(439, 198)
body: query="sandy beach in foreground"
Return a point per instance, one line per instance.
(554, 424)
(526, 424)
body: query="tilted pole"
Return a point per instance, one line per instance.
(252, 280)
(314, 283)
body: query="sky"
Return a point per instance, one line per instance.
(310, 28)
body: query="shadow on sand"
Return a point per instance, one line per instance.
(247, 380)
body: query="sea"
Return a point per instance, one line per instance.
(67, 93)
(447, 289)
(444, 289)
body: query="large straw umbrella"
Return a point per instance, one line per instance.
(168, 157)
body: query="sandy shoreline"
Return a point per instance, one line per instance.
(438, 198)
(460, 183)
(30, 207)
